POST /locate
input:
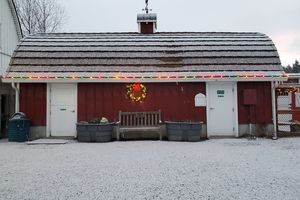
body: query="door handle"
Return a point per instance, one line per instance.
(73, 111)
(211, 108)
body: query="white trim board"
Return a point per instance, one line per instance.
(145, 77)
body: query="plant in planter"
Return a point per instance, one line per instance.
(96, 130)
(295, 126)
(184, 131)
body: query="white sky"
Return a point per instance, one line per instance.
(279, 19)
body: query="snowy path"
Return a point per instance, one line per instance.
(213, 169)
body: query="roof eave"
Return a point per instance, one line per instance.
(116, 77)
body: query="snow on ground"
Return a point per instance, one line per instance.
(212, 169)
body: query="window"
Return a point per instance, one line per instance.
(220, 93)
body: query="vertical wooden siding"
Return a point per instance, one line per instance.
(262, 112)
(147, 28)
(175, 100)
(33, 102)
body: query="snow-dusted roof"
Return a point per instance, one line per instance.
(134, 52)
(147, 17)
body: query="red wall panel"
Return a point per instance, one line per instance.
(33, 102)
(296, 113)
(260, 113)
(175, 100)
(147, 27)
(294, 80)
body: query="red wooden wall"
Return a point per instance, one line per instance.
(33, 102)
(262, 112)
(292, 80)
(175, 100)
(294, 108)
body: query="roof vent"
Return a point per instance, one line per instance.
(147, 21)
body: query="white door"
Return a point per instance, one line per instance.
(221, 109)
(63, 107)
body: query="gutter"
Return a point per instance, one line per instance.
(5, 54)
(17, 90)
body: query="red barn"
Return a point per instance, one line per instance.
(224, 79)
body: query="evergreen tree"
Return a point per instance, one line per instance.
(288, 69)
(294, 69)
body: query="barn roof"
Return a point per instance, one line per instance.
(136, 53)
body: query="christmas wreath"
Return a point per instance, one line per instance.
(136, 92)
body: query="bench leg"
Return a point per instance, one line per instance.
(118, 134)
(160, 132)
(160, 135)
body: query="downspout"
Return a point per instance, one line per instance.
(274, 85)
(17, 90)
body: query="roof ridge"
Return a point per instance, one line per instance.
(162, 32)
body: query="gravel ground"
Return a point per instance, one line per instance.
(212, 169)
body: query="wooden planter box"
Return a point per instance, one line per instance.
(184, 131)
(94, 132)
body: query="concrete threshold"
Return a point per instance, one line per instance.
(48, 141)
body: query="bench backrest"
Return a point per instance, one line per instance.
(136, 119)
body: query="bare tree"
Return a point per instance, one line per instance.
(26, 10)
(43, 16)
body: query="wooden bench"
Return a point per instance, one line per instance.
(139, 122)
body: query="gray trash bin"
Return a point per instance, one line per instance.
(18, 128)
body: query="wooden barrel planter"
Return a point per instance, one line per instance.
(94, 132)
(184, 131)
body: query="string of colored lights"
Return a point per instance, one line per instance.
(144, 77)
(286, 91)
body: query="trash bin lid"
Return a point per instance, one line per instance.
(18, 115)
